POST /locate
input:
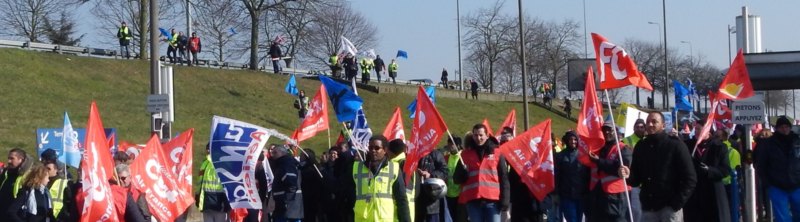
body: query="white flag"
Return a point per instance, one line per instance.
(348, 47)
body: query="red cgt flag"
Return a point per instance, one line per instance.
(706, 130)
(178, 152)
(426, 132)
(590, 136)
(736, 84)
(530, 154)
(617, 68)
(511, 121)
(316, 119)
(394, 129)
(722, 111)
(158, 184)
(97, 168)
(489, 130)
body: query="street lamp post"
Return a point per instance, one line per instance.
(660, 45)
(731, 30)
(523, 63)
(460, 69)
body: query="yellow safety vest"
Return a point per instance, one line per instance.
(393, 67)
(174, 41)
(453, 189)
(124, 31)
(209, 182)
(735, 160)
(17, 183)
(57, 195)
(366, 65)
(410, 193)
(374, 200)
(631, 141)
(333, 60)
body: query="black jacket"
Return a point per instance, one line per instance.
(709, 201)
(275, 51)
(778, 161)
(7, 180)
(312, 190)
(572, 177)
(288, 201)
(379, 65)
(398, 191)
(435, 164)
(16, 212)
(460, 175)
(663, 168)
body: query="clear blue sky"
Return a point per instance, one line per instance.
(427, 29)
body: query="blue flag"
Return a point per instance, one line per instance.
(164, 32)
(361, 131)
(431, 91)
(681, 97)
(291, 86)
(234, 148)
(70, 151)
(402, 54)
(344, 101)
(692, 91)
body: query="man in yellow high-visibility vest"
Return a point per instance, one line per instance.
(124, 35)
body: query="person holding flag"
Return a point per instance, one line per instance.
(452, 153)
(664, 169)
(483, 177)
(212, 200)
(607, 201)
(378, 186)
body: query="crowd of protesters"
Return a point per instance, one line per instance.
(652, 175)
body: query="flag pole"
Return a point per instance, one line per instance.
(450, 135)
(307, 156)
(350, 134)
(619, 153)
(329, 137)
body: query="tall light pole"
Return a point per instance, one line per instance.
(666, 61)
(691, 51)
(154, 63)
(460, 69)
(523, 64)
(189, 25)
(586, 41)
(731, 30)
(660, 45)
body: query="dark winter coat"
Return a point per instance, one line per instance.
(603, 206)
(312, 191)
(275, 51)
(524, 206)
(16, 212)
(286, 189)
(572, 177)
(778, 161)
(709, 202)
(663, 168)
(435, 164)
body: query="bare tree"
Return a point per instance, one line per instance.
(254, 9)
(291, 20)
(331, 23)
(558, 44)
(111, 13)
(62, 30)
(487, 34)
(217, 21)
(27, 17)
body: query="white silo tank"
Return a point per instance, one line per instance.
(753, 33)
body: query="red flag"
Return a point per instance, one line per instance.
(427, 130)
(178, 152)
(617, 68)
(159, 186)
(394, 129)
(705, 131)
(590, 136)
(316, 119)
(112, 139)
(722, 111)
(97, 167)
(531, 156)
(511, 121)
(736, 84)
(341, 138)
(489, 130)
(131, 149)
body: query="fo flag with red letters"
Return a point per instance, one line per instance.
(316, 119)
(151, 176)
(589, 122)
(531, 156)
(235, 147)
(426, 132)
(616, 67)
(178, 153)
(394, 129)
(97, 168)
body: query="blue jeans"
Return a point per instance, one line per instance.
(283, 219)
(636, 205)
(782, 202)
(571, 209)
(276, 66)
(480, 211)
